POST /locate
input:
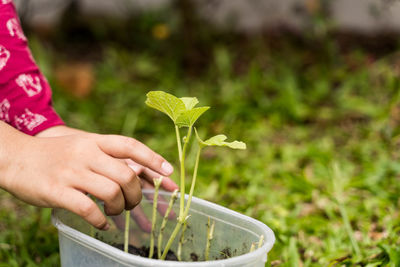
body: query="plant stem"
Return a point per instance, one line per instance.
(261, 241)
(182, 168)
(126, 234)
(186, 210)
(157, 183)
(182, 182)
(178, 141)
(172, 200)
(181, 242)
(172, 238)
(210, 235)
(196, 166)
(183, 212)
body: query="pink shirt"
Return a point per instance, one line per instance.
(25, 95)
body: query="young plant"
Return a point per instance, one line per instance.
(126, 232)
(181, 242)
(210, 236)
(157, 183)
(253, 247)
(260, 243)
(184, 114)
(171, 203)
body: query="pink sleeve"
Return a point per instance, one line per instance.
(25, 95)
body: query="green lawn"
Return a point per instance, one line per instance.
(321, 124)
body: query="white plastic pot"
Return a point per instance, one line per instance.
(233, 235)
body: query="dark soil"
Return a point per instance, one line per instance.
(194, 256)
(144, 252)
(226, 253)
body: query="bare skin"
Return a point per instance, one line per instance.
(60, 165)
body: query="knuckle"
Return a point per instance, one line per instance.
(155, 158)
(138, 169)
(57, 195)
(128, 142)
(86, 209)
(80, 145)
(113, 191)
(127, 176)
(132, 141)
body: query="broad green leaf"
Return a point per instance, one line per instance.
(219, 140)
(190, 102)
(189, 117)
(166, 103)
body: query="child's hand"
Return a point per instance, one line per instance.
(143, 172)
(58, 171)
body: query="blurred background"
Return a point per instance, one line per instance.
(312, 87)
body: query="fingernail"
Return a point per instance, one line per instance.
(167, 168)
(106, 227)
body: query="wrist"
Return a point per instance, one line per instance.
(12, 144)
(59, 130)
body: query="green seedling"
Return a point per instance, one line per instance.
(260, 243)
(210, 236)
(181, 242)
(172, 200)
(184, 113)
(126, 232)
(157, 183)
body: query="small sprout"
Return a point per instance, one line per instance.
(210, 236)
(172, 200)
(184, 113)
(253, 247)
(157, 183)
(126, 233)
(181, 242)
(173, 235)
(261, 241)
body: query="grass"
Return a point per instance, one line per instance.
(321, 123)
